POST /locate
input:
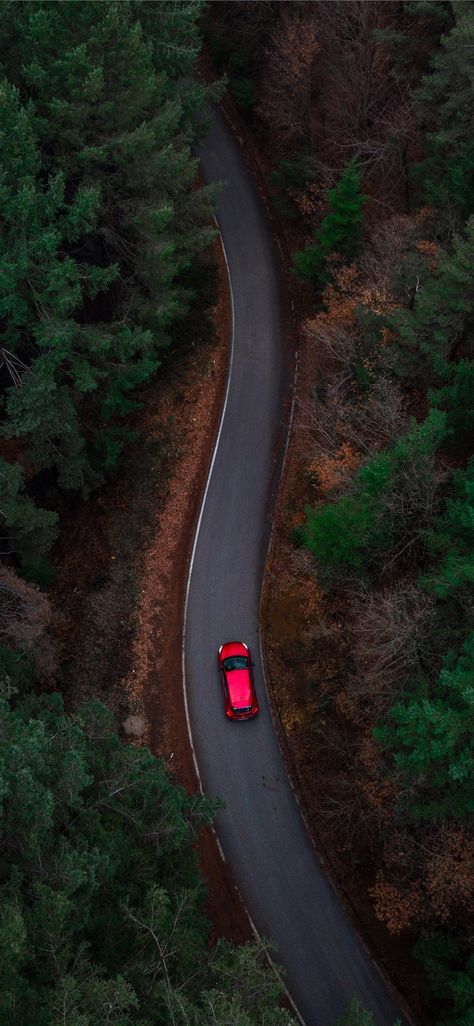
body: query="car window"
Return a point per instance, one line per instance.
(235, 663)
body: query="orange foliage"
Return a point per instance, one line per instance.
(348, 708)
(430, 251)
(396, 908)
(379, 794)
(286, 84)
(342, 296)
(331, 472)
(450, 872)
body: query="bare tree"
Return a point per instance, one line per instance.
(287, 77)
(390, 634)
(24, 611)
(367, 109)
(333, 418)
(335, 338)
(25, 614)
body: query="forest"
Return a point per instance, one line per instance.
(104, 234)
(362, 111)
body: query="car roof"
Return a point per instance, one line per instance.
(240, 690)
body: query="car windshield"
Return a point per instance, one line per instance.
(235, 663)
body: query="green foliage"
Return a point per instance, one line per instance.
(445, 98)
(357, 1015)
(16, 671)
(28, 531)
(290, 176)
(457, 399)
(347, 534)
(441, 321)
(340, 233)
(100, 220)
(432, 741)
(244, 93)
(341, 230)
(100, 899)
(450, 541)
(450, 970)
(342, 534)
(308, 263)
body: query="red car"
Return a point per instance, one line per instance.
(235, 665)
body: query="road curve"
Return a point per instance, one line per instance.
(260, 829)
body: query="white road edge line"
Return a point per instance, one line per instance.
(201, 512)
(185, 613)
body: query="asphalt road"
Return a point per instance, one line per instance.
(260, 829)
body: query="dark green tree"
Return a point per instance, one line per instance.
(391, 502)
(449, 965)
(432, 741)
(340, 233)
(450, 541)
(101, 219)
(27, 531)
(101, 904)
(457, 399)
(440, 327)
(445, 103)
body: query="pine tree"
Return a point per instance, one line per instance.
(27, 530)
(391, 503)
(432, 740)
(449, 964)
(450, 541)
(101, 905)
(48, 353)
(96, 170)
(105, 115)
(431, 335)
(340, 233)
(457, 399)
(445, 103)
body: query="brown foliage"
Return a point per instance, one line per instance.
(392, 243)
(24, 611)
(287, 78)
(341, 430)
(390, 632)
(331, 473)
(395, 907)
(25, 614)
(450, 872)
(365, 108)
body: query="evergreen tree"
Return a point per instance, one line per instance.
(105, 115)
(100, 900)
(441, 323)
(340, 233)
(41, 288)
(457, 399)
(27, 530)
(391, 503)
(101, 218)
(445, 102)
(432, 741)
(450, 541)
(449, 965)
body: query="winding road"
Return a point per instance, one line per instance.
(260, 830)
